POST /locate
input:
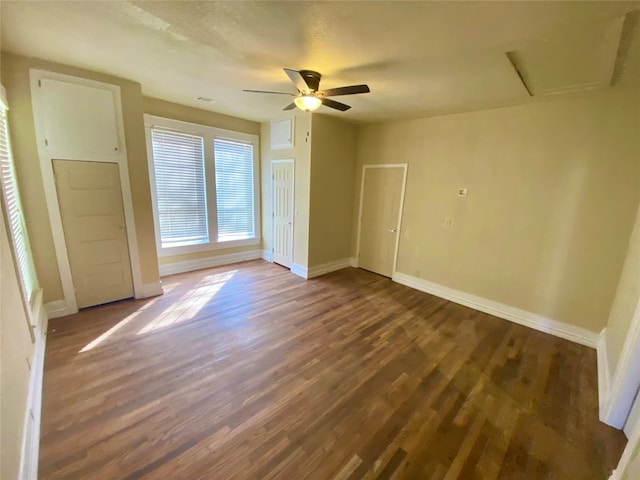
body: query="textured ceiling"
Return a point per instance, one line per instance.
(419, 58)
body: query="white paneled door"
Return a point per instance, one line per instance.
(380, 210)
(282, 203)
(95, 234)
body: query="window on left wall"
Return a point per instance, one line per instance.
(204, 184)
(14, 214)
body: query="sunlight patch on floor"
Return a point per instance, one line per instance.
(190, 303)
(94, 343)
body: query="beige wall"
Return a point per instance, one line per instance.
(16, 354)
(160, 108)
(15, 78)
(301, 153)
(333, 167)
(553, 191)
(184, 257)
(626, 300)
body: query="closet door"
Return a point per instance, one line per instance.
(94, 229)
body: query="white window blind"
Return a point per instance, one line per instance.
(180, 186)
(14, 212)
(234, 189)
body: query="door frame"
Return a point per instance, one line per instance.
(620, 393)
(404, 166)
(47, 155)
(293, 200)
(627, 454)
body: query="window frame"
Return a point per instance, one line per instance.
(193, 163)
(208, 134)
(30, 290)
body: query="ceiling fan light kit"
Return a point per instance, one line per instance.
(308, 103)
(309, 98)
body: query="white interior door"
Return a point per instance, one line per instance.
(91, 209)
(282, 204)
(380, 210)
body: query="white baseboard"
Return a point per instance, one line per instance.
(151, 290)
(31, 431)
(328, 267)
(57, 308)
(623, 380)
(300, 270)
(353, 261)
(522, 317)
(604, 387)
(208, 262)
(267, 255)
(316, 271)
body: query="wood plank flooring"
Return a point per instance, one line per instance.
(249, 372)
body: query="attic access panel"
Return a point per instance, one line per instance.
(580, 59)
(78, 118)
(282, 134)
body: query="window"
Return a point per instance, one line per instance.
(181, 199)
(204, 186)
(234, 189)
(13, 210)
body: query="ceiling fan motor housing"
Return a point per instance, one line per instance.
(312, 79)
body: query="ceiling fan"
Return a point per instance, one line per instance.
(309, 97)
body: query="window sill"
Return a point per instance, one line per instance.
(206, 247)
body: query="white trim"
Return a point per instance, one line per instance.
(404, 166)
(47, 156)
(522, 317)
(208, 262)
(627, 455)
(266, 255)
(290, 143)
(353, 261)
(58, 308)
(207, 247)
(603, 371)
(37, 313)
(328, 267)
(633, 420)
(3, 98)
(300, 270)
(29, 451)
(151, 290)
(624, 384)
(293, 200)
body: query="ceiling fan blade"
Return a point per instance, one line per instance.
(351, 90)
(291, 106)
(297, 79)
(333, 104)
(266, 91)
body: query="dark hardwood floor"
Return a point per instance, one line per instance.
(249, 372)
